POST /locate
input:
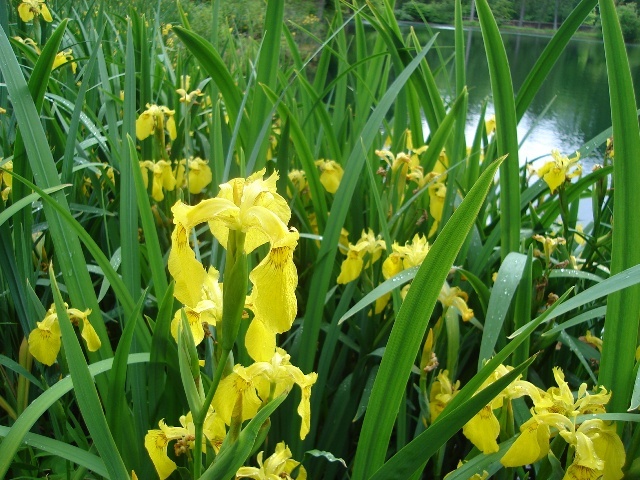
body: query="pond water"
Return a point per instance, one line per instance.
(576, 91)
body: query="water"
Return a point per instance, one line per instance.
(576, 90)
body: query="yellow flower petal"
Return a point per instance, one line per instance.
(195, 324)
(188, 273)
(351, 267)
(46, 14)
(260, 341)
(25, 12)
(171, 128)
(44, 343)
(144, 125)
(276, 277)
(155, 441)
(90, 336)
(530, 446)
(237, 386)
(483, 430)
(199, 175)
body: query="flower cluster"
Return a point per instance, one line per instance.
(559, 170)
(167, 176)
(246, 214)
(597, 449)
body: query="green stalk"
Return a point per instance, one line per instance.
(622, 319)
(506, 132)
(199, 417)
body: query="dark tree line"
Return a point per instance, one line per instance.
(541, 13)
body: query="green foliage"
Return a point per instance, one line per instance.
(629, 21)
(333, 98)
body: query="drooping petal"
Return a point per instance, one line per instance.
(274, 282)
(46, 14)
(199, 175)
(195, 324)
(44, 343)
(530, 446)
(155, 441)
(25, 12)
(237, 385)
(260, 341)
(90, 336)
(145, 125)
(350, 268)
(483, 430)
(186, 270)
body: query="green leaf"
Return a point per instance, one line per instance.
(623, 311)
(503, 293)
(69, 254)
(416, 453)
(40, 405)
(62, 450)
(85, 390)
(409, 329)
(506, 129)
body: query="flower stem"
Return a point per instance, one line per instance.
(199, 417)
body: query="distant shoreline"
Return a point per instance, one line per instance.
(588, 33)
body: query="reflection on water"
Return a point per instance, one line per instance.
(576, 89)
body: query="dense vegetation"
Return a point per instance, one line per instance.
(234, 246)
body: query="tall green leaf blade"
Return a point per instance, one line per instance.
(409, 329)
(69, 255)
(415, 454)
(328, 249)
(40, 405)
(85, 390)
(506, 129)
(62, 450)
(623, 308)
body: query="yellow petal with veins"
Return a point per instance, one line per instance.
(44, 343)
(274, 282)
(24, 10)
(155, 441)
(531, 446)
(482, 430)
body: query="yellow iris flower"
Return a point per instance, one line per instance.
(442, 392)
(277, 466)
(157, 441)
(156, 118)
(599, 452)
(331, 174)
(29, 9)
(63, 57)
(246, 389)
(45, 340)
(410, 255)
(7, 180)
(253, 207)
(199, 177)
(560, 170)
(483, 429)
(354, 263)
(163, 178)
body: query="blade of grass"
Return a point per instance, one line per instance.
(409, 329)
(40, 405)
(623, 311)
(69, 254)
(305, 356)
(85, 390)
(416, 453)
(504, 288)
(62, 450)
(506, 131)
